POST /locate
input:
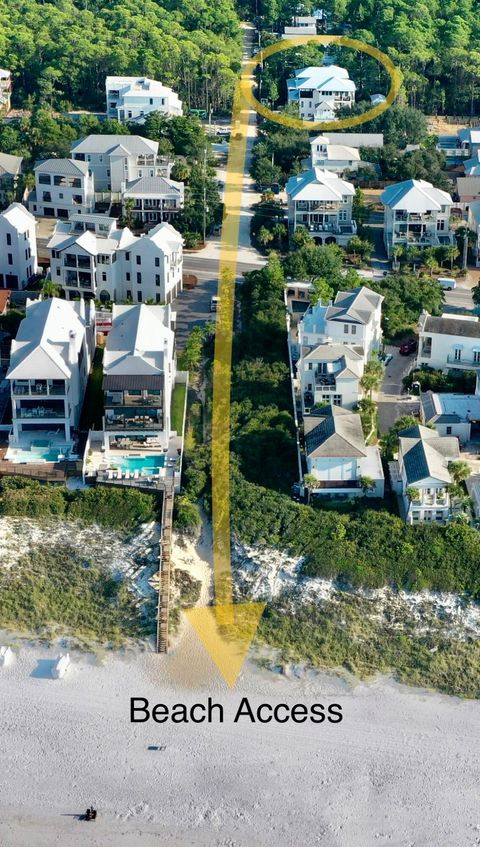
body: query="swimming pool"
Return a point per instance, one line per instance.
(45, 455)
(139, 463)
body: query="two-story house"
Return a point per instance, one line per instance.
(336, 158)
(130, 99)
(423, 475)
(354, 318)
(330, 373)
(139, 368)
(153, 200)
(117, 160)
(321, 91)
(62, 186)
(449, 341)
(322, 203)
(10, 170)
(474, 226)
(337, 456)
(18, 247)
(49, 366)
(92, 257)
(451, 414)
(416, 215)
(5, 91)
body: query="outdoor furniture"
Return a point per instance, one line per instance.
(110, 475)
(136, 474)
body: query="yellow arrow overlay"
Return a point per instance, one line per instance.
(227, 629)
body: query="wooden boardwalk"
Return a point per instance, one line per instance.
(45, 471)
(165, 567)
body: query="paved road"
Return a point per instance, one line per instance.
(193, 307)
(391, 403)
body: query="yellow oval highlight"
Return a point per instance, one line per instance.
(343, 123)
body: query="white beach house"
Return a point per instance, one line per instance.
(131, 99)
(321, 91)
(337, 456)
(117, 160)
(354, 318)
(422, 473)
(62, 186)
(18, 247)
(416, 215)
(91, 256)
(322, 203)
(336, 158)
(330, 373)
(49, 366)
(5, 91)
(449, 341)
(139, 368)
(452, 414)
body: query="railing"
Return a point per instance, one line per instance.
(132, 424)
(463, 362)
(336, 483)
(38, 390)
(40, 412)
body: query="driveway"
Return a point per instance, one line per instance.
(392, 404)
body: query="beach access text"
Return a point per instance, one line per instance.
(210, 712)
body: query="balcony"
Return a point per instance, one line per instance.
(325, 380)
(465, 361)
(119, 398)
(134, 419)
(35, 388)
(40, 412)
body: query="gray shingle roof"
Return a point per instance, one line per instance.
(426, 454)
(450, 325)
(356, 305)
(97, 143)
(334, 432)
(62, 167)
(154, 185)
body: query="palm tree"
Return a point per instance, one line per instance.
(460, 471)
(451, 253)
(372, 375)
(469, 237)
(50, 288)
(129, 206)
(265, 236)
(279, 231)
(397, 254)
(366, 484)
(310, 482)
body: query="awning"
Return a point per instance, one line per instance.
(136, 382)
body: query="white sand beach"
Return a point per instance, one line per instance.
(401, 769)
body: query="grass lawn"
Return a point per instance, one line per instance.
(92, 412)
(178, 405)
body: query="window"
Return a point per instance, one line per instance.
(337, 399)
(354, 330)
(104, 277)
(139, 279)
(151, 101)
(58, 271)
(157, 280)
(345, 329)
(448, 430)
(9, 239)
(157, 298)
(458, 354)
(139, 296)
(157, 262)
(10, 259)
(44, 179)
(127, 256)
(129, 294)
(127, 276)
(310, 366)
(138, 260)
(108, 172)
(476, 356)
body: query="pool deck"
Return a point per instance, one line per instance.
(101, 465)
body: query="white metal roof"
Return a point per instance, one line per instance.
(41, 348)
(415, 195)
(137, 340)
(19, 217)
(317, 184)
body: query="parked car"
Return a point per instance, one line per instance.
(447, 283)
(408, 347)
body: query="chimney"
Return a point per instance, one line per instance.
(72, 353)
(82, 308)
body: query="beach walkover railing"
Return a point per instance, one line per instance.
(165, 567)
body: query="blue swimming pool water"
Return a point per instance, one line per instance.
(138, 463)
(36, 455)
